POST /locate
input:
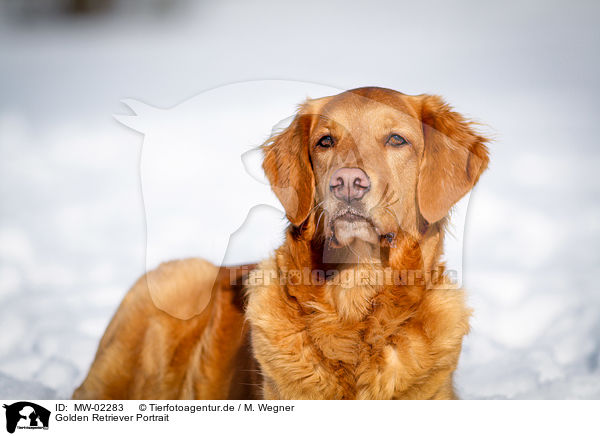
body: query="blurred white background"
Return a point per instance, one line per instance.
(72, 227)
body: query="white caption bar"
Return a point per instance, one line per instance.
(300, 417)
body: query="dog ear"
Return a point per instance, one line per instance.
(289, 170)
(454, 157)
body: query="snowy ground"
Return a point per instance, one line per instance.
(72, 221)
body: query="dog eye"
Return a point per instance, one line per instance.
(396, 141)
(325, 142)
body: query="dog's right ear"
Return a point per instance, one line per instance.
(288, 167)
(454, 157)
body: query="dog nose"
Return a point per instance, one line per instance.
(349, 184)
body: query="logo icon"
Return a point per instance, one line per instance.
(26, 415)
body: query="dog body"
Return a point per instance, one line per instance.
(354, 305)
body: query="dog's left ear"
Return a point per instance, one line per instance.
(288, 168)
(454, 157)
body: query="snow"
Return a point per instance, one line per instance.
(73, 233)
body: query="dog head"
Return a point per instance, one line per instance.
(372, 163)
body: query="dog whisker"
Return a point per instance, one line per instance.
(392, 215)
(316, 206)
(381, 200)
(320, 216)
(394, 202)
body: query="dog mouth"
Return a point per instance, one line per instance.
(351, 217)
(348, 226)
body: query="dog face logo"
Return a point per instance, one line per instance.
(26, 415)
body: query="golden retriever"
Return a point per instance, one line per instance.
(354, 305)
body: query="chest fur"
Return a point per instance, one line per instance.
(371, 344)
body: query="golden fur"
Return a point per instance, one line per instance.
(356, 309)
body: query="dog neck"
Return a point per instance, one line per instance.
(347, 279)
